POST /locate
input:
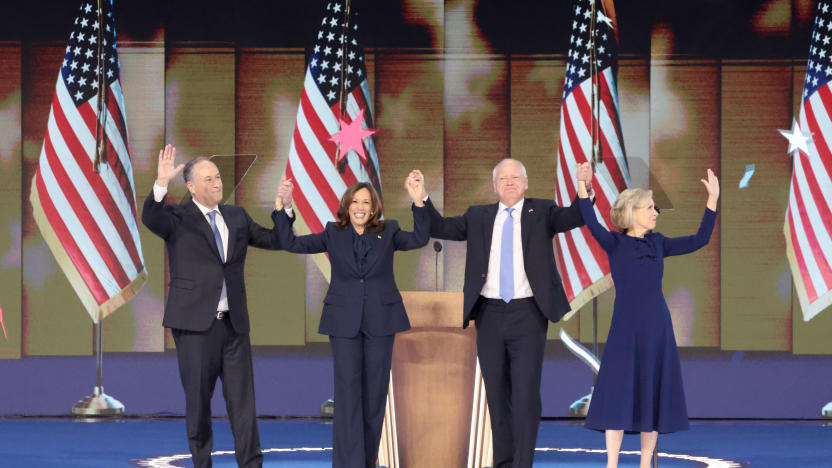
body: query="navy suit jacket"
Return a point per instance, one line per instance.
(353, 294)
(196, 270)
(540, 220)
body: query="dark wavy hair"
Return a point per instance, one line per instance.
(374, 222)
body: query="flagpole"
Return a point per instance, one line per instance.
(342, 92)
(580, 407)
(99, 403)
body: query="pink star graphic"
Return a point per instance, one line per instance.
(351, 136)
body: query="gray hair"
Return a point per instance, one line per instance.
(494, 172)
(188, 172)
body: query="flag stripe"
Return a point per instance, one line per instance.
(85, 137)
(86, 219)
(816, 244)
(92, 189)
(79, 260)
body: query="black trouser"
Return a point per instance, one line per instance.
(510, 342)
(204, 356)
(362, 374)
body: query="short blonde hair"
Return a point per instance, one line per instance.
(622, 211)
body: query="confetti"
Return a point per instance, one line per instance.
(749, 171)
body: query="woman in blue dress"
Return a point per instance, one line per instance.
(639, 387)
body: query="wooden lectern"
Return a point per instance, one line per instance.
(436, 412)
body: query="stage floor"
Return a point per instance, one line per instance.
(305, 443)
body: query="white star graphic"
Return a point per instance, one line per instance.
(79, 95)
(330, 37)
(84, 22)
(85, 68)
(337, 7)
(334, 22)
(797, 140)
(327, 50)
(330, 95)
(313, 63)
(605, 19)
(321, 78)
(325, 65)
(333, 81)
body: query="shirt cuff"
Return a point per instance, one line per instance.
(159, 193)
(290, 212)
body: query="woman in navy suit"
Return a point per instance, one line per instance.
(363, 309)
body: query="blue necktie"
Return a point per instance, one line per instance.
(507, 259)
(218, 239)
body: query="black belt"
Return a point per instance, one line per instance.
(497, 302)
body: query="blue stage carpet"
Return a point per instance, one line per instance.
(36, 442)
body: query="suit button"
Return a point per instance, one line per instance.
(361, 280)
(482, 275)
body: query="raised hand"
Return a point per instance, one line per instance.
(166, 170)
(585, 178)
(284, 194)
(584, 172)
(712, 185)
(415, 185)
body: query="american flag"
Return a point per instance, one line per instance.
(583, 264)
(336, 64)
(86, 210)
(808, 224)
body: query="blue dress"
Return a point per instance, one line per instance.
(639, 387)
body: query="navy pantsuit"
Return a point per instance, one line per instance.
(363, 310)
(511, 337)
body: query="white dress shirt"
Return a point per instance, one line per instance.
(491, 289)
(159, 194)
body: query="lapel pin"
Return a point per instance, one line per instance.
(531, 210)
(379, 236)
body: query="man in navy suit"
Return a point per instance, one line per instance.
(512, 289)
(206, 307)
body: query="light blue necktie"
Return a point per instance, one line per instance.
(507, 259)
(213, 215)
